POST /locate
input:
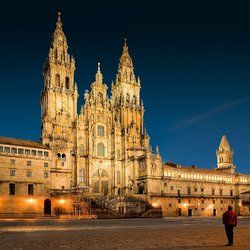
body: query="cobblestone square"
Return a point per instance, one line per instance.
(166, 233)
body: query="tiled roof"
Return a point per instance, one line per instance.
(21, 142)
(193, 169)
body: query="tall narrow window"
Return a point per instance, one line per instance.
(57, 80)
(30, 189)
(12, 172)
(100, 149)
(81, 175)
(81, 152)
(118, 154)
(118, 177)
(12, 189)
(213, 191)
(100, 130)
(67, 82)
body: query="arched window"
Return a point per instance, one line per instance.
(58, 155)
(81, 151)
(127, 97)
(57, 80)
(81, 175)
(99, 97)
(67, 82)
(100, 149)
(134, 99)
(118, 177)
(100, 130)
(63, 157)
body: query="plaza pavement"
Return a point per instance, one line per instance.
(166, 233)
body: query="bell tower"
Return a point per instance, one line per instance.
(126, 99)
(59, 109)
(225, 156)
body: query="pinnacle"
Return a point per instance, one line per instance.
(59, 20)
(224, 143)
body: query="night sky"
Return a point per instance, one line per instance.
(193, 58)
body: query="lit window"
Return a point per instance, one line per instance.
(29, 174)
(12, 172)
(28, 163)
(100, 130)
(100, 149)
(20, 151)
(14, 150)
(46, 175)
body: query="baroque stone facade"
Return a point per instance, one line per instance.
(105, 150)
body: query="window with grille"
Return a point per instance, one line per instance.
(12, 172)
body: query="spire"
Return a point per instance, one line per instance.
(126, 68)
(59, 46)
(225, 156)
(224, 145)
(98, 76)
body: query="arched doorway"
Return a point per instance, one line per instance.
(47, 206)
(100, 182)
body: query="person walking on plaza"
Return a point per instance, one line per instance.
(230, 221)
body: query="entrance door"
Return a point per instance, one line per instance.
(214, 212)
(189, 212)
(105, 187)
(47, 206)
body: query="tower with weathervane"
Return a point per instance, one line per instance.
(59, 110)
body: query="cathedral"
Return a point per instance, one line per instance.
(104, 151)
(104, 148)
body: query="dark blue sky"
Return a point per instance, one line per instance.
(193, 58)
